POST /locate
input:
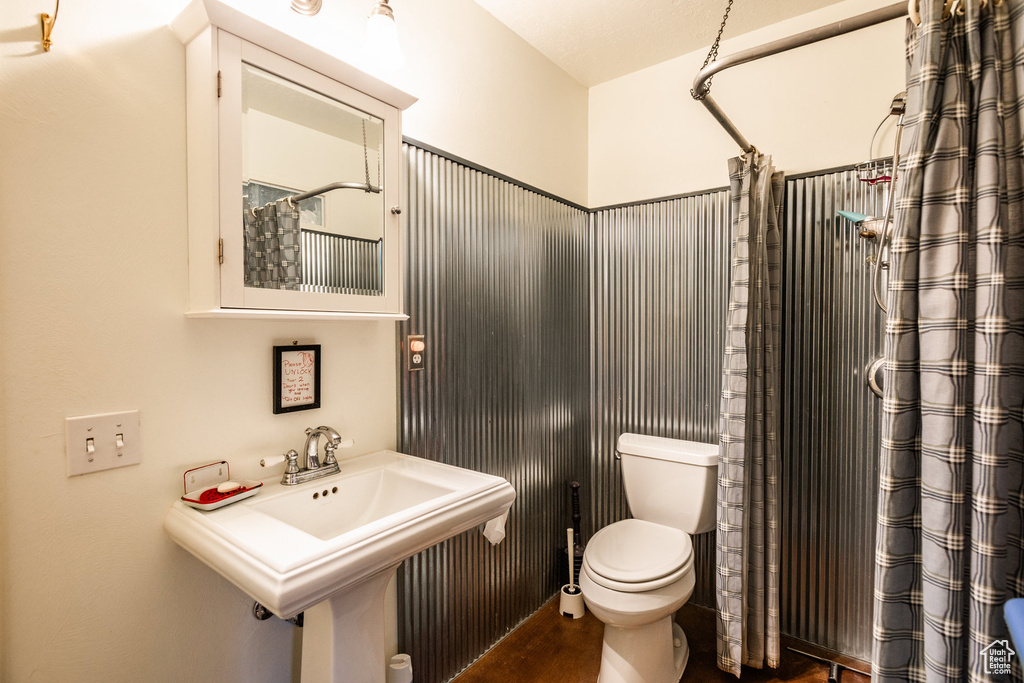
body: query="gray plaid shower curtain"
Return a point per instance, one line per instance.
(273, 239)
(949, 536)
(747, 540)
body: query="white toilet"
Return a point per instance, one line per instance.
(638, 572)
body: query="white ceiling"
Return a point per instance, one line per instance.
(598, 40)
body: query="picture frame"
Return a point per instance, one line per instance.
(296, 378)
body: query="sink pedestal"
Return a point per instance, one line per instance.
(343, 636)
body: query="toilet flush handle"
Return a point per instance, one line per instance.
(618, 456)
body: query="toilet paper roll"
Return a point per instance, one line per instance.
(400, 669)
(494, 530)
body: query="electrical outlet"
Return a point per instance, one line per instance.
(416, 349)
(102, 442)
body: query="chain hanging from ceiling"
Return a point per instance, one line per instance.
(712, 56)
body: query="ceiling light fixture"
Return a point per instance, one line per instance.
(382, 36)
(307, 7)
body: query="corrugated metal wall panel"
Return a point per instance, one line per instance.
(830, 424)
(551, 332)
(658, 305)
(340, 264)
(496, 278)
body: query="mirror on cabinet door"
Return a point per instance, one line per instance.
(302, 203)
(295, 143)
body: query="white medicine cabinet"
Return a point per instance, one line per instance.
(293, 175)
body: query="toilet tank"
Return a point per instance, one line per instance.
(670, 481)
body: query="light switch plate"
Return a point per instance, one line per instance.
(102, 442)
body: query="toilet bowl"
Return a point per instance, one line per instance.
(635, 577)
(638, 572)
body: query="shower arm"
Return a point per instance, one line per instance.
(815, 35)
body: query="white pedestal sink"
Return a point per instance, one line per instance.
(329, 547)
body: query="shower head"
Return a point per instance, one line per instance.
(899, 104)
(854, 218)
(868, 225)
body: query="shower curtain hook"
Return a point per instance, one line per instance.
(915, 16)
(47, 22)
(948, 8)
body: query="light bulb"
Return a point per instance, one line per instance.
(382, 38)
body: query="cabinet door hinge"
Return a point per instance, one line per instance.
(218, 83)
(220, 251)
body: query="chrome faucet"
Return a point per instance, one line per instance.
(312, 468)
(313, 447)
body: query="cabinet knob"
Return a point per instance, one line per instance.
(396, 209)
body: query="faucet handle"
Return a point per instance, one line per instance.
(334, 444)
(292, 457)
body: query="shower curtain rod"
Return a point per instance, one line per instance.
(783, 44)
(366, 187)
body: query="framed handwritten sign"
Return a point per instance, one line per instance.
(296, 378)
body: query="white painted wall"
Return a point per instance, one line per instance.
(496, 101)
(93, 287)
(812, 108)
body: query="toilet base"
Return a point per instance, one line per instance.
(644, 654)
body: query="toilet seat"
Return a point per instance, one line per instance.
(634, 556)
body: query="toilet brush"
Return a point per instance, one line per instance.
(572, 553)
(570, 602)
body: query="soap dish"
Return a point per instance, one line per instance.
(201, 487)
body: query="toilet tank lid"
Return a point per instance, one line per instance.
(675, 450)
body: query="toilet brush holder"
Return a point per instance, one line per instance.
(570, 602)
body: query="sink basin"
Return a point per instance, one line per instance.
(292, 546)
(362, 500)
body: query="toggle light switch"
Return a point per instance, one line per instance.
(102, 442)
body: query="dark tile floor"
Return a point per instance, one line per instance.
(550, 648)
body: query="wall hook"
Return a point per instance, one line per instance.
(47, 22)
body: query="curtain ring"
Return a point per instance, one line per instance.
(915, 16)
(289, 200)
(948, 8)
(252, 210)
